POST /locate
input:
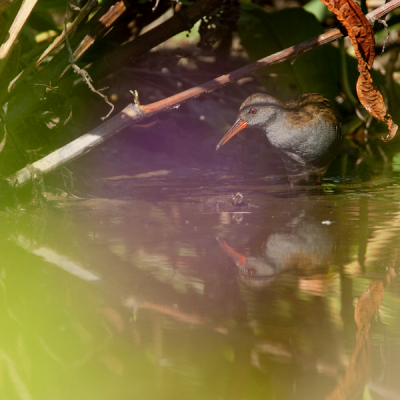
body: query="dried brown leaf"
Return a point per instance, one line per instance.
(362, 39)
(358, 28)
(372, 101)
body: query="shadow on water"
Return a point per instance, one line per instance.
(206, 290)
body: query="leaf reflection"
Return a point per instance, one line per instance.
(357, 373)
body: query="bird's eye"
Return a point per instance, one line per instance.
(252, 111)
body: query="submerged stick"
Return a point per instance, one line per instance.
(80, 146)
(134, 113)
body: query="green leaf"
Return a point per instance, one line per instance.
(264, 33)
(318, 9)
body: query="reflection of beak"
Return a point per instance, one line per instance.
(238, 257)
(236, 127)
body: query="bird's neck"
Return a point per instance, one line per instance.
(276, 126)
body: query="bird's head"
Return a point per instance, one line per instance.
(257, 111)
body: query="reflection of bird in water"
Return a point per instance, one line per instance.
(305, 130)
(307, 250)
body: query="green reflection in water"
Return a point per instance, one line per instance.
(110, 299)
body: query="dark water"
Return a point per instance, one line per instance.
(202, 289)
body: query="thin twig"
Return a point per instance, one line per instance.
(84, 74)
(155, 6)
(71, 28)
(14, 31)
(385, 25)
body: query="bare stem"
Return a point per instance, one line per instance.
(14, 31)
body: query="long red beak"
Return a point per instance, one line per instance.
(236, 127)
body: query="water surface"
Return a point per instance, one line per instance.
(204, 289)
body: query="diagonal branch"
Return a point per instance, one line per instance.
(14, 31)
